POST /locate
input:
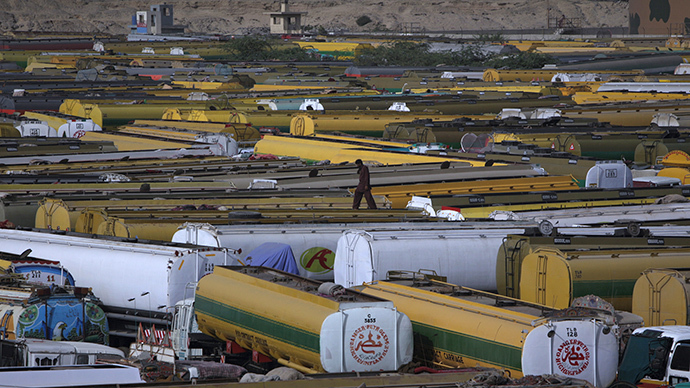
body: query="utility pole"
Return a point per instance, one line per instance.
(548, 15)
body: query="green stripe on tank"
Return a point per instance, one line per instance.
(604, 288)
(475, 348)
(279, 331)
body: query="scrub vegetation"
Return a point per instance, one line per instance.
(395, 53)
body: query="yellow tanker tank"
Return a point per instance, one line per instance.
(583, 98)
(676, 158)
(302, 323)
(372, 123)
(515, 248)
(118, 227)
(553, 278)
(8, 130)
(123, 142)
(239, 132)
(458, 327)
(650, 151)
(274, 119)
(109, 116)
(624, 114)
(556, 141)
(401, 194)
(54, 214)
(494, 75)
(89, 220)
(316, 149)
(683, 174)
(662, 297)
(338, 50)
(211, 86)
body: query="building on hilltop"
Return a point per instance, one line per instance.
(158, 20)
(285, 21)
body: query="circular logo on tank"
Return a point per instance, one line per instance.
(369, 344)
(572, 357)
(317, 260)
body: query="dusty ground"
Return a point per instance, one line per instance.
(242, 16)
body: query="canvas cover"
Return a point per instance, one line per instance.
(273, 255)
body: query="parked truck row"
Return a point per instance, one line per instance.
(205, 309)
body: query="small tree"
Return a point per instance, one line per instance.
(248, 48)
(297, 54)
(521, 60)
(485, 38)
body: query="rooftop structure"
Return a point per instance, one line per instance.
(158, 20)
(285, 21)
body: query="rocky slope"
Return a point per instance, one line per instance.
(242, 16)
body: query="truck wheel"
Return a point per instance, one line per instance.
(546, 228)
(634, 229)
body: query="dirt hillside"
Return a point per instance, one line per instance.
(243, 16)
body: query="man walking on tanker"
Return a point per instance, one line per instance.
(364, 187)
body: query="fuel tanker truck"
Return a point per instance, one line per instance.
(466, 257)
(308, 325)
(654, 356)
(552, 277)
(458, 327)
(662, 296)
(315, 245)
(589, 349)
(137, 282)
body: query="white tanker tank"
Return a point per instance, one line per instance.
(582, 342)
(313, 245)
(123, 275)
(463, 257)
(583, 349)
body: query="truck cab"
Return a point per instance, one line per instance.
(183, 326)
(38, 352)
(187, 340)
(657, 356)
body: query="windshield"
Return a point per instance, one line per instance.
(645, 355)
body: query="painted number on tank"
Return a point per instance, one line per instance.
(578, 274)
(369, 319)
(571, 332)
(208, 267)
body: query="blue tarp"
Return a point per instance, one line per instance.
(273, 255)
